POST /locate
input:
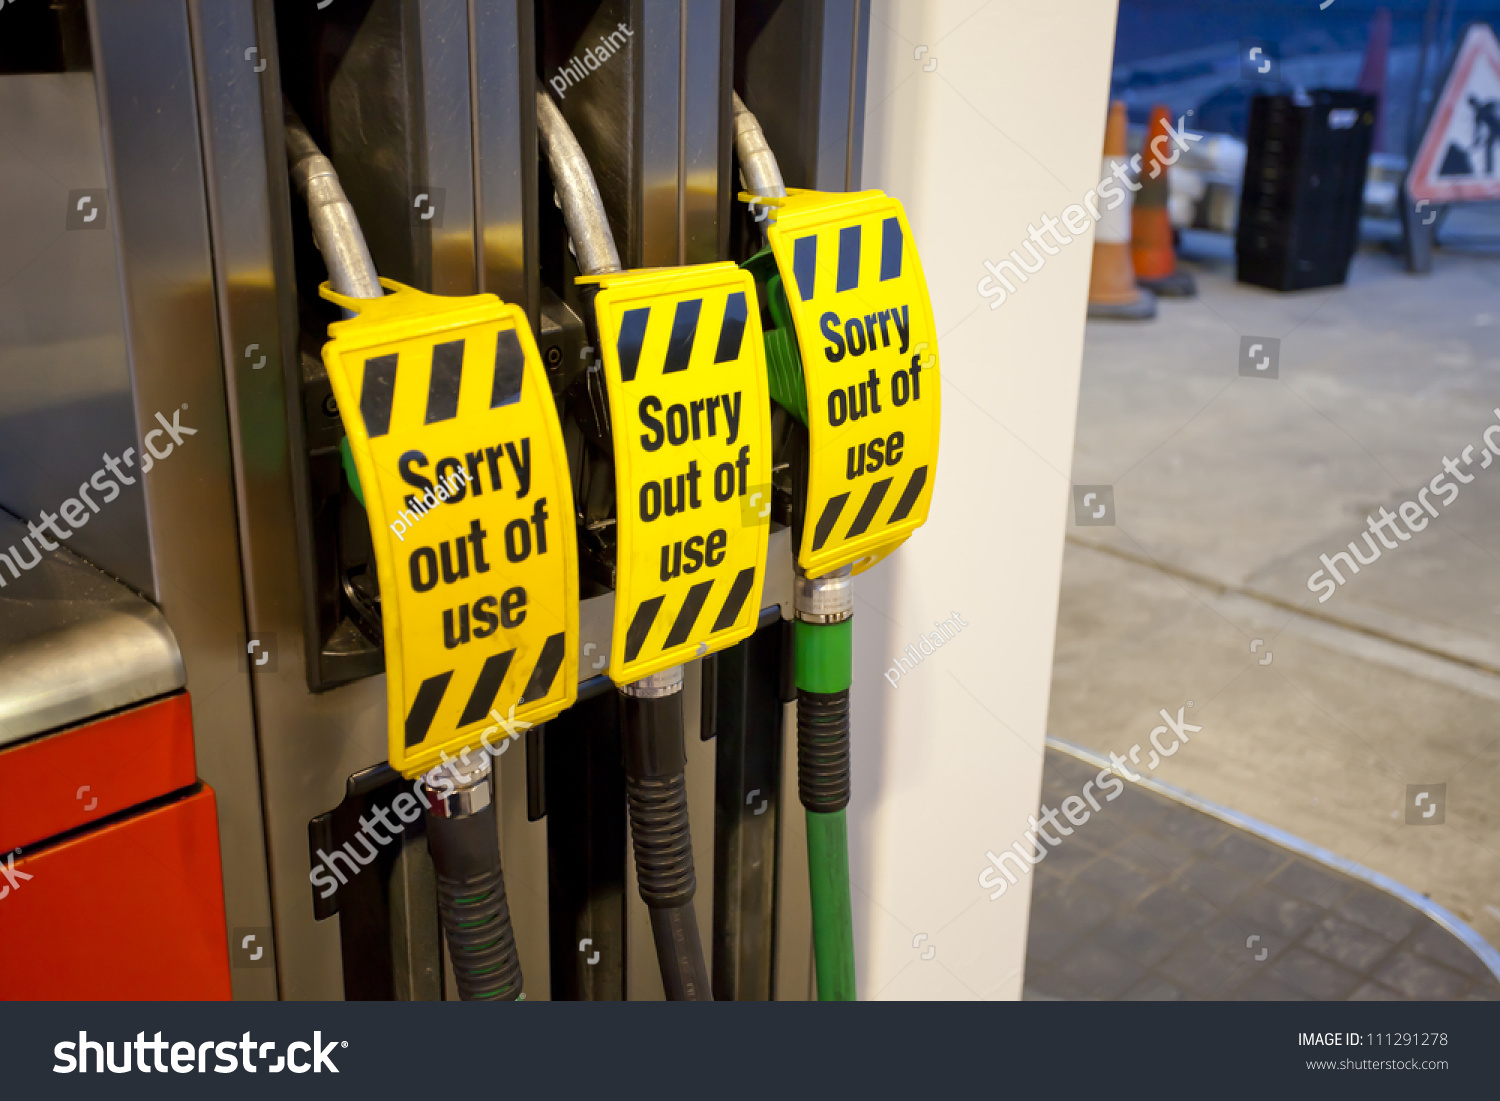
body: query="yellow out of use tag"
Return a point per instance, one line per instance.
(685, 370)
(869, 353)
(460, 456)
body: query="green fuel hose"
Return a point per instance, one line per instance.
(824, 659)
(824, 643)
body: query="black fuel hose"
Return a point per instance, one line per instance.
(465, 844)
(656, 793)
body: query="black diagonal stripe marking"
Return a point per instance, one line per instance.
(510, 369)
(546, 669)
(805, 264)
(632, 337)
(684, 330)
(640, 627)
(867, 510)
(442, 388)
(909, 495)
(848, 258)
(377, 394)
(732, 335)
(891, 243)
(491, 677)
(736, 599)
(425, 707)
(689, 614)
(830, 517)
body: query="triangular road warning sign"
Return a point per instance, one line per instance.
(1460, 153)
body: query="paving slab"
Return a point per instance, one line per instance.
(1275, 925)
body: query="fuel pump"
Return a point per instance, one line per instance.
(851, 352)
(455, 450)
(679, 397)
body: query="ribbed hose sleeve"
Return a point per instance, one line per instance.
(823, 749)
(656, 794)
(472, 905)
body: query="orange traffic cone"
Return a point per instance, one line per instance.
(1150, 223)
(1112, 289)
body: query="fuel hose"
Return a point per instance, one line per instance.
(464, 840)
(651, 707)
(656, 794)
(462, 834)
(823, 637)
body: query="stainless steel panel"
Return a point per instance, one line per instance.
(504, 60)
(680, 51)
(143, 63)
(416, 933)
(399, 132)
(803, 71)
(839, 87)
(659, 46)
(649, 121)
(74, 642)
(745, 711)
(65, 398)
(310, 743)
(858, 79)
(447, 130)
(704, 144)
(601, 106)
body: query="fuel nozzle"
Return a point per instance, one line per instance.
(823, 604)
(462, 833)
(651, 706)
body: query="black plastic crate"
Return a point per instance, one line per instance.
(1304, 187)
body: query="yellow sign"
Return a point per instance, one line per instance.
(868, 345)
(685, 369)
(460, 457)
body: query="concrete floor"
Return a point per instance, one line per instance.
(1322, 719)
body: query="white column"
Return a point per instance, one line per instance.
(1007, 126)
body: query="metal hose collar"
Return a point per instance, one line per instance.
(758, 169)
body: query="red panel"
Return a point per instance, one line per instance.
(79, 776)
(132, 910)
